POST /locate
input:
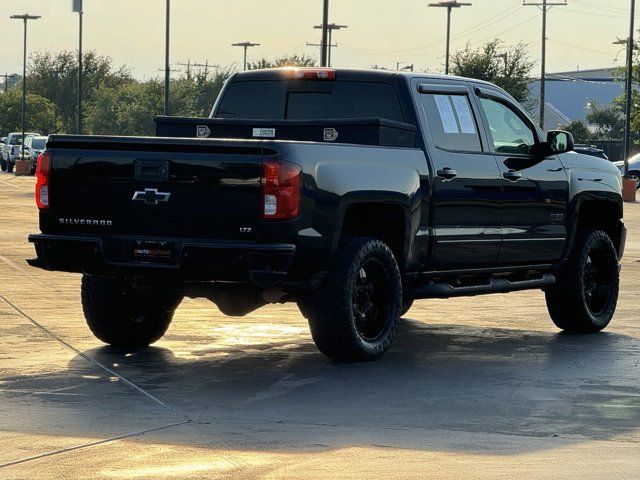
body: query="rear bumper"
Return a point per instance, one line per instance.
(260, 264)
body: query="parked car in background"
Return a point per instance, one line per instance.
(11, 150)
(590, 150)
(33, 147)
(634, 168)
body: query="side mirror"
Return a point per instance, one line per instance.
(559, 142)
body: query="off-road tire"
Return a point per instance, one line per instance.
(125, 317)
(9, 166)
(354, 315)
(584, 297)
(3, 165)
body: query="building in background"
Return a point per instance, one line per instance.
(569, 94)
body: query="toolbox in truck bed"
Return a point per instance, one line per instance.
(363, 131)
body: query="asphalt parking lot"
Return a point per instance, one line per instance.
(483, 387)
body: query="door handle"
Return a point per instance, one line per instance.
(447, 173)
(512, 175)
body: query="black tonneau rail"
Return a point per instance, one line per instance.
(362, 131)
(152, 144)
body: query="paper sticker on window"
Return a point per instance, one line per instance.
(463, 111)
(447, 116)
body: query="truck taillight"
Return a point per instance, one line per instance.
(281, 190)
(43, 171)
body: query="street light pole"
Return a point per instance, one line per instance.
(6, 77)
(629, 93)
(80, 14)
(449, 5)
(167, 66)
(246, 46)
(25, 18)
(77, 7)
(324, 49)
(330, 28)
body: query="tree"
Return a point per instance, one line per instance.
(127, 109)
(286, 61)
(607, 121)
(40, 113)
(509, 68)
(54, 75)
(579, 130)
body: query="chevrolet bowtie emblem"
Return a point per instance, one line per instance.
(151, 196)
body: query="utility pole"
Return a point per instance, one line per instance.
(167, 65)
(205, 66)
(188, 65)
(319, 45)
(545, 6)
(329, 28)
(245, 45)
(505, 57)
(325, 43)
(449, 5)
(77, 7)
(25, 18)
(628, 87)
(6, 77)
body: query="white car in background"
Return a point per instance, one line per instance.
(11, 150)
(634, 168)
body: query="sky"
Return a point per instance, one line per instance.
(380, 32)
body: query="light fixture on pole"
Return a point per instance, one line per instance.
(77, 7)
(449, 5)
(25, 18)
(329, 28)
(246, 46)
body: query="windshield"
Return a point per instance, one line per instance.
(39, 143)
(309, 100)
(15, 139)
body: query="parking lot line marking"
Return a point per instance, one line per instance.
(8, 182)
(14, 265)
(92, 360)
(93, 444)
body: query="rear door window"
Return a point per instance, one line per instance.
(452, 122)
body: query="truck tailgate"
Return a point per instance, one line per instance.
(155, 187)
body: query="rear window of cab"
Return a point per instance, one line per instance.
(309, 100)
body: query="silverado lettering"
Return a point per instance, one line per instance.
(87, 221)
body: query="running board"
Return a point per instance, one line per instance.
(492, 285)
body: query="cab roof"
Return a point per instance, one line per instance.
(346, 74)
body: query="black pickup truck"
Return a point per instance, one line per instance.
(352, 193)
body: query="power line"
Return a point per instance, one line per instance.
(545, 5)
(432, 46)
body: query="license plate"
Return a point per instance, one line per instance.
(153, 251)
